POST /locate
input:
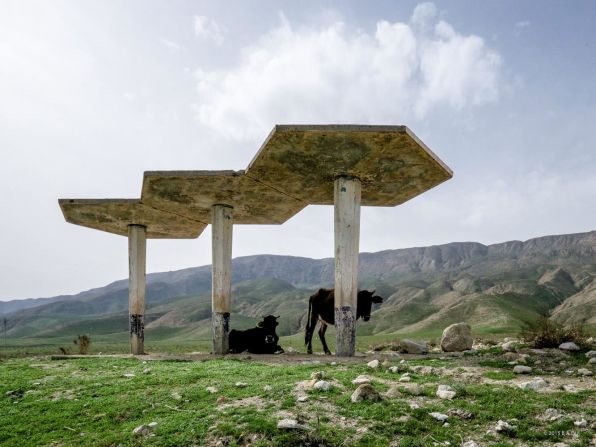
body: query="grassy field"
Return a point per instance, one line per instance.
(99, 401)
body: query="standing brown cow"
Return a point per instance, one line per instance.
(321, 306)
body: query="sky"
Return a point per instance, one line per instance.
(93, 93)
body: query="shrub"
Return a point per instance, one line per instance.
(545, 333)
(83, 342)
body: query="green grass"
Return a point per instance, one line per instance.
(90, 402)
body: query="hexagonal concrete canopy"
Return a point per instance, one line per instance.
(115, 215)
(303, 161)
(193, 194)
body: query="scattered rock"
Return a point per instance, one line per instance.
(147, 371)
(584, 372)
(569, 346)
(129, 375)
(591, 354)
(462, 414)
(141, 430)
(302, 398)
(470, 444)
(267, 388)
(211, 389)
(457, 337)
(241, 385)
(592, 361)
(412, 388)
(290, 424)
(392, 392)
(522, 369)
(505, 427)
(582, 423)
(221, 399)
(322, 385)
(570, 388)
(365, 392)
(152, 424)
(374, 364)
(439, 416)
(176, 395)
(550, 415)
(15, 393)
(445, 392)
(385, 363)
(405, 378)
(560, 444)
(361, 379)
(536, 384)
(393, 369)
(509, 346)
(317, 375)
(413, 347)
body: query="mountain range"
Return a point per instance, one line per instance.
(496, 288)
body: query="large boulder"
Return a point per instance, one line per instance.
(457, 337)
(413, 347)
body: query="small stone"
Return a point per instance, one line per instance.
(333, 363)
(365, 392)
(570, 388)
(374, 364)
(413, 389)
(221, 399)
(504, 427)
(317, 375)
(129, 375)
(302, 398)
(536, 384)
(413, 347)
(591, 354)
(569, 346)
(290, 424)
(147, 371)
(393, 369)
(445, 392)
(241, 384)
(385, 363)
(141, 430)
(462, 414)
(211, 389)
(550, 415)
(267, 388)
(582, 423)
(322, 385)
(584, 372)
(361, 379)
(470, 444)
(560, 444)
(152, 424)
(510, 346)
(405, 378)
(176, 396)
(592, 361)
(522, 369)
(439, 416)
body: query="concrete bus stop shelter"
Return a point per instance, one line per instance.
(129, 217)
(344, 165)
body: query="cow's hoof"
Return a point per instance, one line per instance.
(327, 352)
(309, 351)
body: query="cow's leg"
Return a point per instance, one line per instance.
(311, 324)
(322, 331)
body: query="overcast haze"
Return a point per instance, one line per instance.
(93, 93)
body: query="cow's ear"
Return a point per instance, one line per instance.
(377, 299)
(277, 317)
(372, 293)
(260, 324)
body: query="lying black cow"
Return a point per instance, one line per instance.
(258, 340)
(321, 306)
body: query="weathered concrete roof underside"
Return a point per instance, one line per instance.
(390, 161)
(115, 215)
(193, 194)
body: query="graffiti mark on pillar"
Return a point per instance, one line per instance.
(137, 326)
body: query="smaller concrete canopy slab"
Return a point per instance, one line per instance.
(115, 215)
(303, 161)
(193, 194)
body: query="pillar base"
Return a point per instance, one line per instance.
(345, 332)
(220, 325)
(137, 334)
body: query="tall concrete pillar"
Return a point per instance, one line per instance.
(221, 285)
(347, 236)
(137, 253)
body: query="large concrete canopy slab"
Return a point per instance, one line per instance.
(303, 161)
(193, 194)
(115, 215)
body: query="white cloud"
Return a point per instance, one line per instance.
(209, 29)
(522, 24)
(334, 74)
(170, 44)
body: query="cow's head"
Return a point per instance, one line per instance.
(365, 300)
(269, 322)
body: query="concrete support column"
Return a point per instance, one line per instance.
(221, 283)
(347, 238)
(137, 254)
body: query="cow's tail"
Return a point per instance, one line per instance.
(306, 329)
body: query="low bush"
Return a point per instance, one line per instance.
(545, 333)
